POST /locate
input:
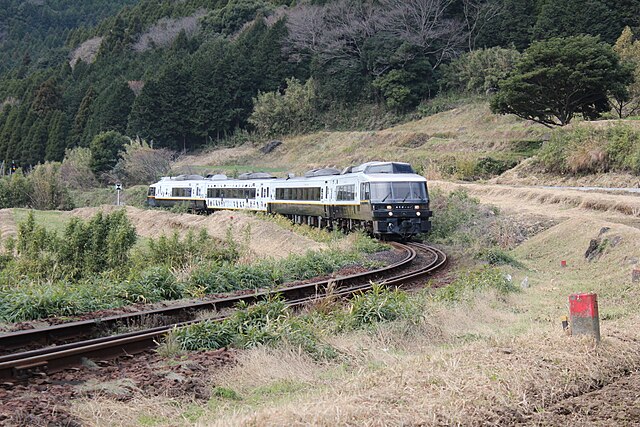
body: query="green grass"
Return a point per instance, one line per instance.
(53, 220)
(133, 196)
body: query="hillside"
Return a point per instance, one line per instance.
(447, 143)
(185, 74)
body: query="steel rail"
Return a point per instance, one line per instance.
(53, 359)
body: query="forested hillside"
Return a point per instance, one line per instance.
(185, 74)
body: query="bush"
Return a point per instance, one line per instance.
(465, 287)
(15, 191)
(457, 213)
(176, 252)
(141, 164)
(292, 112)
(98, 246)
(379, 305)
(76, 170)
(479, 71)
(48, 190)
(592, 150)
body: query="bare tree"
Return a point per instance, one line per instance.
(477, 14)
(338, 31)
(333, 32)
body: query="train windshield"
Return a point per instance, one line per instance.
(398, 191)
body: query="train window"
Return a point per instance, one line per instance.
(346, 192)
(181, 192)
(232, 193)
(152, 191)
(398, 191)
(308, 193)
(364, 191)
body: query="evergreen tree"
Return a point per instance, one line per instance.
(57, 138)
(558, 78)
(82, 117)
(563, 18)
(105, 149)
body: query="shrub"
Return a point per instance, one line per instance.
(379, 305)
(480, 70)
(592, 150)
(141, 164)
(176, 252)
(466, 286)
(100, 245)
(292, 112)
(76, 170)
(457, 214)
(48, 190)
(15, 191)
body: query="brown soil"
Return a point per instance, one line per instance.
(41, 402)
(617, 403)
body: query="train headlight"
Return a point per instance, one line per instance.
(389, 207)
(390, 213)
(417, 213)
(417, 207)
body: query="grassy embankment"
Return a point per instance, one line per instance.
(448, 143)
(468, 354)
(55, 264)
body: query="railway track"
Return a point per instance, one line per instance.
(58, 350)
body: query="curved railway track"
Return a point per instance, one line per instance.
(58, 351)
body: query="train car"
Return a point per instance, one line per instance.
(384, 198)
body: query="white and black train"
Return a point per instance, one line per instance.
(384, 198)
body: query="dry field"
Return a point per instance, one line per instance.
(495, 360)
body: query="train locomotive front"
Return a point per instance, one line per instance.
(396, 198)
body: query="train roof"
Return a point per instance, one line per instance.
(375, 171)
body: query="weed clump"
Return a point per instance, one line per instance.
(267, 322)
(465, 287)
(379, 305)
(272, 323)
(592, 150)
(497, 256)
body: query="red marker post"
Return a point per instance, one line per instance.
(583, 309)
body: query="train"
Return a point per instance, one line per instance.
(386, 199)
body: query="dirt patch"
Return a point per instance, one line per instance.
(263, 238)
(43, 401)
(617, 403)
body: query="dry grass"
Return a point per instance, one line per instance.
(260, 238)
(495, 360)
(538, 199)
(529, 172)
(7, 224)
(467, 132)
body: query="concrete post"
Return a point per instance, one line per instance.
(583, 309)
